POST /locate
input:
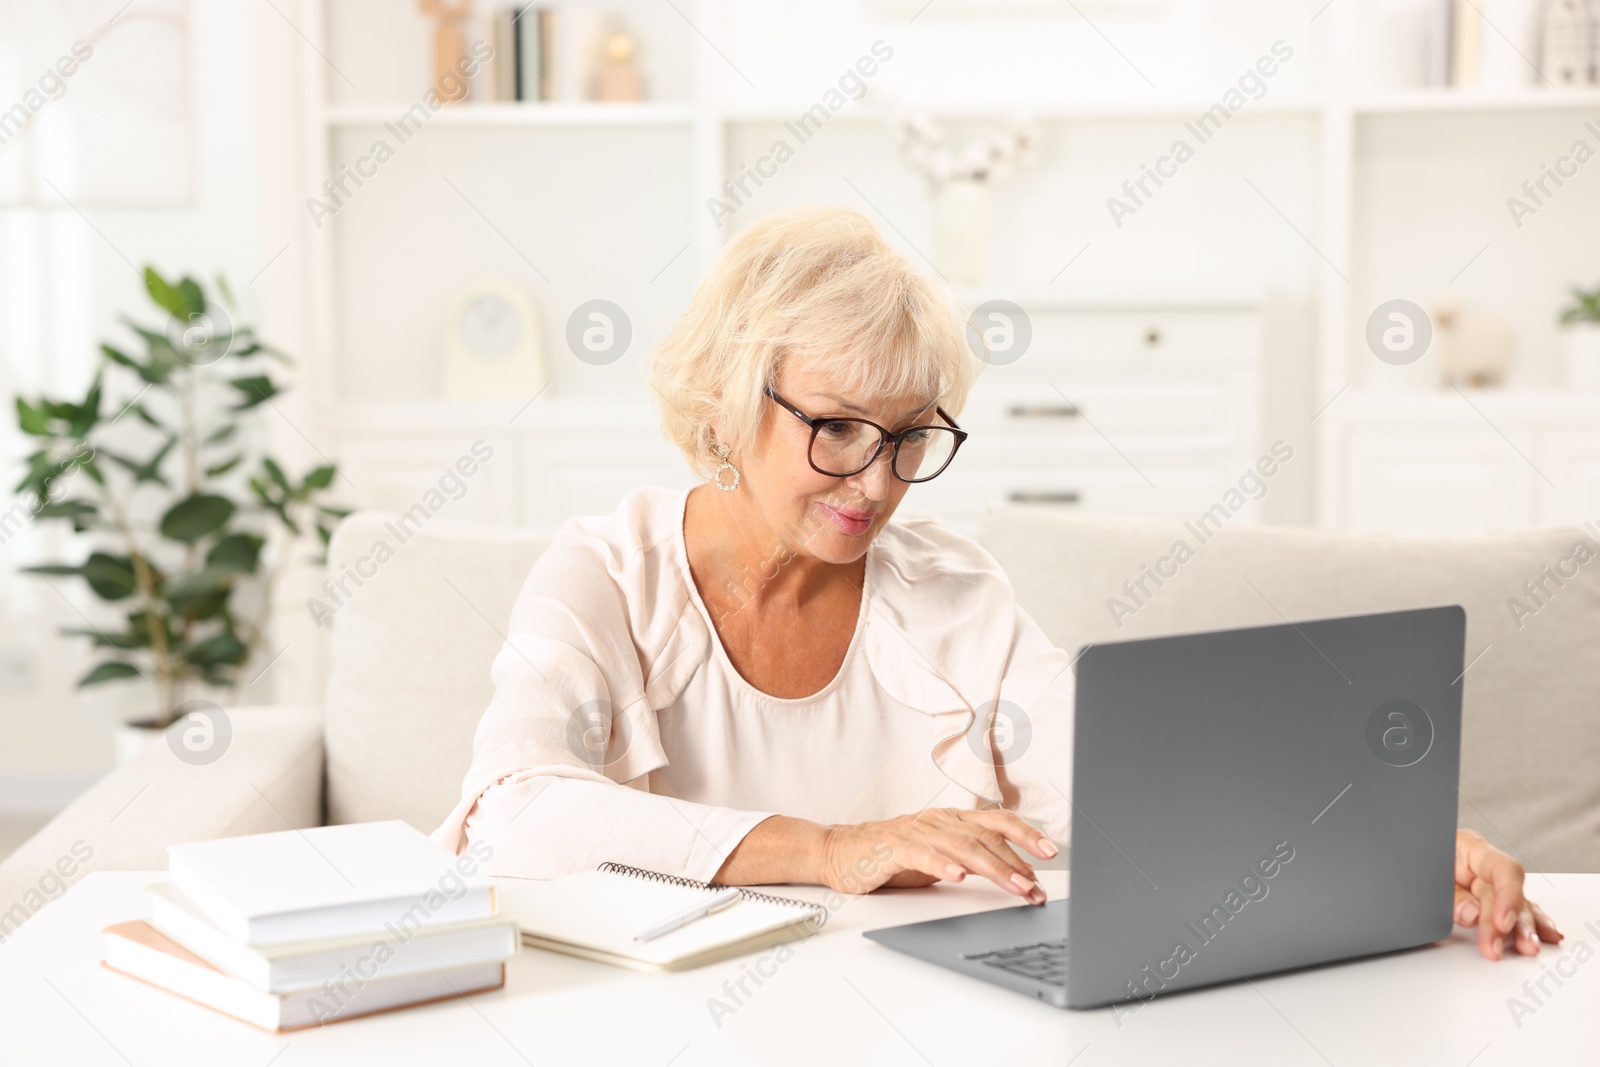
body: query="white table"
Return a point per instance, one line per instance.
(839, 999)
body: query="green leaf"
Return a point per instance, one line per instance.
(236, 553)
(85, 415)
(206, 582)
(76, 510)
(109, 672)
(320, 478)
(179, 301)
(246, 344)
(92, 469)
(32, 420)
(275, 472)
(134, 638)
(194, 298)
(40, 466)
(257, 389)
(152, 372)
(195, 516)
(163, 357)
(145, 416)
(220, 435)
(53, 568)
(222, 649)
(149, 471)
(111, 577)
(224, 467)
(201, 607)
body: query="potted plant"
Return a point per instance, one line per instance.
(1580, 339)
(190, 524)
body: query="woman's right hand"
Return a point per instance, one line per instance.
(934, 844)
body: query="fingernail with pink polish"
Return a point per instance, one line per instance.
(1048, 848)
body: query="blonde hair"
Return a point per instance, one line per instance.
(817, 284)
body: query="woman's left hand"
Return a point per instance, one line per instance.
(1489, 896)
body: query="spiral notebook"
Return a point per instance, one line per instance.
(596, 914)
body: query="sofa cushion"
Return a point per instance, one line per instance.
(417, 619)
(1530, 733)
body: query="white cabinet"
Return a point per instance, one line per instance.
(1438, 483)
(1572, 460)
(1435, 463)
(463, 476)
(1134, 409)
(1147, 409)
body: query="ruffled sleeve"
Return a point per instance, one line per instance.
(561, 758)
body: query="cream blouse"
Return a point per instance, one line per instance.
(620, 730)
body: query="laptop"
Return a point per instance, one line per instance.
(1244, 802)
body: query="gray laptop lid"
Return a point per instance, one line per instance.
(1254, 800)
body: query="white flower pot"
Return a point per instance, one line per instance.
(1580, 355)
(128, 739)
(961, 231)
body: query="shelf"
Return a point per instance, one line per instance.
(1419, 102)
(1085, 111)
(1121, 294)
(1432, 101)
(515, 115)
(510, 419)
(1433, 405)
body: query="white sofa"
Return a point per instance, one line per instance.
(412, 646)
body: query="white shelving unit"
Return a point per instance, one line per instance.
(1399, 450)
(634, 227)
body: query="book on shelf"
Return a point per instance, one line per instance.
(547, 53)
(501, 70)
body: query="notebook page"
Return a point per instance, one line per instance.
(604, 910)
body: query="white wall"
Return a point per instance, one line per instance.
(604, 213)
(66, 279)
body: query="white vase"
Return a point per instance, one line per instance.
(1580, 355)
(961, 231)
(128, 739)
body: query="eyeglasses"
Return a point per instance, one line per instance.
(841, 446)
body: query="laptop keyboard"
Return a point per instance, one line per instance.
(1045, 961)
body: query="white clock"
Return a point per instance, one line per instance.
(494, 348)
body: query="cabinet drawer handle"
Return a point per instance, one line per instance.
(1048, 496)
(1152, 336)
(1044, 411)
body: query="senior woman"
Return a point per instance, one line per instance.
(767, 677)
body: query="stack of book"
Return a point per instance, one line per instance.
(561, 54)
(300, 928)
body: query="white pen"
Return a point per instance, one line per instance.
(689, 915)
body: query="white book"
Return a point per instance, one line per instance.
(399, 949)
(140, 951)
(500, 72)
(328, 881)
(582, 31)
(595, 914)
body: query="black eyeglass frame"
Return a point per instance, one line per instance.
(886, 438)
